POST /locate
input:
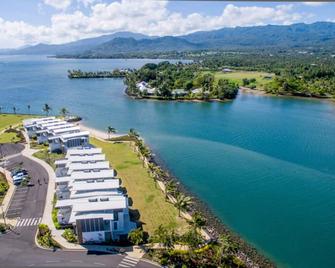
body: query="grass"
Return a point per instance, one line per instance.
(3, 187)
(50, 158)
(9, 137)
(238, 76)
(146, 198)
(11, 119)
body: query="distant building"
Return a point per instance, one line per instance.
(226, 70)
(145, 88)
(197, 91)
(179, 92)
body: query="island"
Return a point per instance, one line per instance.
(116, 73)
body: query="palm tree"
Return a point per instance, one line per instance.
(28, 106)
(14, 109)
(224, 246)
(64, 112)
(1, 109)
(182, 202)
(164, 236)
(198, 221)
(136, 236)
(46, 108)
(170, 188)
(110, 130)
(133, 133)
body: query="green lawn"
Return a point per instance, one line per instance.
(238, 76)
(50, 158)
(9, 138)
(3, 187)
(11, 119)
(146, 198)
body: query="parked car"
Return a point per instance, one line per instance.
(17, 179)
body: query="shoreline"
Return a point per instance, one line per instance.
(215, 226)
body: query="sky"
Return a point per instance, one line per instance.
(28, 22)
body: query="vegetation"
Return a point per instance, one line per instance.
(46, 108)
(148, 203)
(11, 135)
(44, 237)
(7, 120)
(48, 157)
(3, 228)
(136, 236)
(3, 187)
(54, 213)
(110, 131)
(116, 73)
(178, 81)
(64, 112)
(69, 235)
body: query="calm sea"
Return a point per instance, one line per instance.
(264, 165)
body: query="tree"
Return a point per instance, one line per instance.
(64, 112)
(133, 133)
(110, 130)
(170, 188)
(182, 202)
(192, 238)
(1, 109)
(164, 236)
(46, 108)
(226, 89)
(198, 221)
(14, 109)
(28, 106)
(136, 236)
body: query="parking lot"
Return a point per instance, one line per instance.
(17, 202)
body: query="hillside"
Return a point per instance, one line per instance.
(317, 35)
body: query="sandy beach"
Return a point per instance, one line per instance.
(99, 134)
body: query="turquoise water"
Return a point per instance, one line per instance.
(265, 165)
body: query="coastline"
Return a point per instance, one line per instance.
(215, 226)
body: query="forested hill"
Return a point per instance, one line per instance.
(320, 35)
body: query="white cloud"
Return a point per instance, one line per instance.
(58, 4)
(315, 4)
(148, 17)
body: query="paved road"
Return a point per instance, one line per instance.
(18, 249)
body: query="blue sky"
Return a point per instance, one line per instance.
(24, 22)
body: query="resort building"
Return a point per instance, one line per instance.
(145, 88)
(65, 141)
(30, 124)
(90, 198)
(53, 130)
(96, 219)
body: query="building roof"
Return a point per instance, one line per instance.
(75, 195)
(31, 121)
(83, 151)
(65, 130)
(48, 123)
(101, 203)
(84, 158)
(87, 175)
(74, 135)
(88, 166)
(85, 186)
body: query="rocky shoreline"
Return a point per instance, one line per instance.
(214, 226)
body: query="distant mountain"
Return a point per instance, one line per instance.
(320, 34)
(76, 46)
(295, 35)
(126, 45)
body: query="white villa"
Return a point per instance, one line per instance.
(63, 141)
(30, 124)
(88, 194)
(144, 87)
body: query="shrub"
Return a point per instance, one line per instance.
(136, 236)
(3, 227)
(69, 235)
(44, 237)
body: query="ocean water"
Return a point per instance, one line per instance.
(264, 165)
